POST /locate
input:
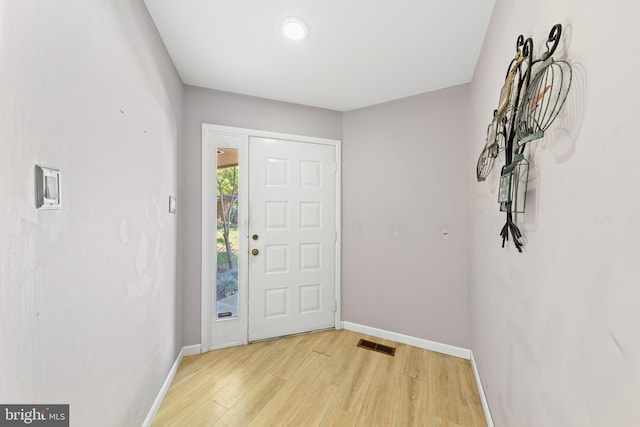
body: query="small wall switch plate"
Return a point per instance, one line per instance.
(172, 204)
(48, 188)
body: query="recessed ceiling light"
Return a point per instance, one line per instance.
(295, 29)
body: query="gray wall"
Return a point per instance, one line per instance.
(223, 108)
(88, 310)
(403, 185)
(555, 330)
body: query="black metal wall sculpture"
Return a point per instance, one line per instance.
(533, 94)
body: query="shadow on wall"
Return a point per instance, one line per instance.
(562, 139)
(529, 219)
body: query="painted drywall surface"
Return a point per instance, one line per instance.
(555, 331)
(87, 293)
(228, 109)
(403, 187)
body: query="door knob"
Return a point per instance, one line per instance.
(255, 252)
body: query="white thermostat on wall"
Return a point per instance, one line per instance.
(48, 188)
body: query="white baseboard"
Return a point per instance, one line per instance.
(483, 397)
(155, 407)
(450, 350)
(191, 350)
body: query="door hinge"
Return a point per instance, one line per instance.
(335, 236)
(335, 168)
(335, 305)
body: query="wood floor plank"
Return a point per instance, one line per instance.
(355, 375)
(418, 364)
(313, 406)
(411, 409)
(202, 414)
(256, 398)
(284, 405)
(211, 374)
(336, 417)
(302, 345)
(263, 357)
(329, 342)
(322, 379)
(377, 409)
(192, 366)
(468, 403)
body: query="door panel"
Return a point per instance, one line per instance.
(293, 232)
(224, 239)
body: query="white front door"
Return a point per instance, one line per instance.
(292, 237)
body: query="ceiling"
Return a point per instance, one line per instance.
(358, 53)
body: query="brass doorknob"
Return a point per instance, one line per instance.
(255, 252)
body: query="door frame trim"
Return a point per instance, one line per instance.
(207, 256)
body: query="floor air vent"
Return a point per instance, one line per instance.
(370, 345)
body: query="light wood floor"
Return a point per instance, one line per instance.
(322, 379)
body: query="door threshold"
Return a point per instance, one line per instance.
(292, 335)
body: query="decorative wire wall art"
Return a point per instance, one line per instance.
(533, 93)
